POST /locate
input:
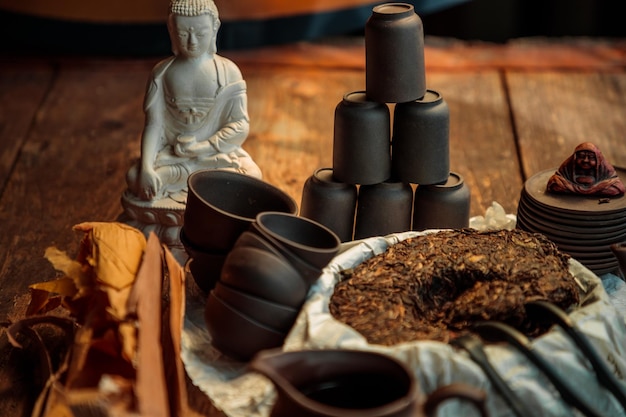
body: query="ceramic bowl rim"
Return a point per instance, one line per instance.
(256, 182)
(325, 250)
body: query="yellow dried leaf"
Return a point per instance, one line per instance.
(115, 251)
(70, 267)
(63, 286)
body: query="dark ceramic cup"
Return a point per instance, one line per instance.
(329, 202)
(309, 240)
(222, 204)
(264, 274)
(362, 140)
(383, 209)
(205, 266)
(257, 239)
(394, 54)
(235, 334)
(276, 316)
(444, 206)
(420, 140)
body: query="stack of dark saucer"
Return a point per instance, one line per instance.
(582, 226)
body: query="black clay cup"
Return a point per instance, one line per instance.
(276, 316)
(235, 334)
(258, 239)
(307, 239)
(329, 202)
(264, 274)
(383, 209)
(444, 206)
(394, 54)
(420, 140)
(205, 266)
(222, 204)
(362, 140)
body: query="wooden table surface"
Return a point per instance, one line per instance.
(69, 129)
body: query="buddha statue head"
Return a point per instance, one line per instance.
(193, 27)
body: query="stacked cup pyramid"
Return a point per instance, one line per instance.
(389, 175)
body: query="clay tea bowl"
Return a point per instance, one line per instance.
(256, 239)
(222, 204)
(276, 316)
(235, 334)
(264, 274)
(310, 241)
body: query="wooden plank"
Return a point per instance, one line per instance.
(555, 111)
(71, 168)
(22, 88)
(482, 146)
(448, 54)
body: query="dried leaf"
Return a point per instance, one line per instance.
(113, 250)
(63, 286)
(71, 268)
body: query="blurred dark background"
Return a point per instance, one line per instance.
(485, 20)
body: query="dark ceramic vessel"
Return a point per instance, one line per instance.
(236, 334)
(577, 224)
(256, 238)
(394, 54)
(264, 274)
(420, 140)
(222, 204)
(205, 266)
(383, 209)
(362, 140)
(276, 316)
(330, 202)
(444, 206)
(308, 240)
(343, 382)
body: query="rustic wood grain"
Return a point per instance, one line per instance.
(555, 111)
(448, 54)
(482, 145)
(22, 88)
(71, 169)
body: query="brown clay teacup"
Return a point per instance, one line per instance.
(205, 266)
(235, 334)
(222, 204)
(264, 274)
(276, 316)
(255, 238)
(309, 240)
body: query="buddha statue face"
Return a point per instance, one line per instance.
(193, 27)
(192, 36)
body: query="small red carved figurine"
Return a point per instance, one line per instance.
(586, 172)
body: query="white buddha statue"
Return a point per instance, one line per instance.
(196, 118)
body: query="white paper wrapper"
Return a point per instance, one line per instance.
(241, 394)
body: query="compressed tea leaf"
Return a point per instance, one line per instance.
(437, 285)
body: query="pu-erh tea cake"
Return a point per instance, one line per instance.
(437, 285)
